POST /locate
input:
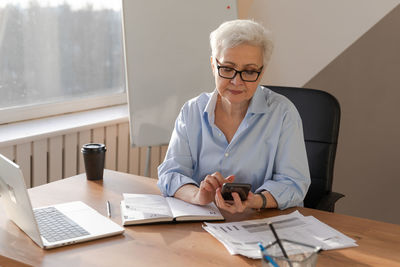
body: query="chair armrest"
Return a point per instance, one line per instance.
(327, 203)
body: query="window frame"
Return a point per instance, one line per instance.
(29, 112)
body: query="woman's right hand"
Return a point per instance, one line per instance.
(208, 187)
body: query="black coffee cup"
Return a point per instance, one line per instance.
(94, 156)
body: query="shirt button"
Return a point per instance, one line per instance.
(226, 154)
(219, 134)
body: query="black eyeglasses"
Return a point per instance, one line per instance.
(245, 75)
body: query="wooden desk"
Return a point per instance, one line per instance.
(175, 244)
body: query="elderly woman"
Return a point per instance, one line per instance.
(241, 132)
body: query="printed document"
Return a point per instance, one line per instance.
(243, 237)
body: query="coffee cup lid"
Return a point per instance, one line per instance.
(92, 147)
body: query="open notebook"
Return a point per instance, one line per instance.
(147, 208)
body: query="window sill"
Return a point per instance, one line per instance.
(26, 131)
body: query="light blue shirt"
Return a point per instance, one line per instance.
(267, 150)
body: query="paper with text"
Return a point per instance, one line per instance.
(181, 208)
(243, 237)
(145, 206)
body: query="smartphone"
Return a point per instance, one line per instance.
(241, 188)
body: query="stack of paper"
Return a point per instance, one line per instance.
(243, 237)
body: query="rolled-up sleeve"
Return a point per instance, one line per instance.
(177, 168)
(291, 176)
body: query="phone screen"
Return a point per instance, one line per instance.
(241, 188)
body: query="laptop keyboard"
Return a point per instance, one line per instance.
(55, 226)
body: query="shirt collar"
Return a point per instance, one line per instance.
(210, 107)
(258, 103)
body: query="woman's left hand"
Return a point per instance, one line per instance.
(236, 205)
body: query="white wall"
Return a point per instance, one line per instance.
(309, 34)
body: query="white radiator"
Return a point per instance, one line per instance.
(59, 157)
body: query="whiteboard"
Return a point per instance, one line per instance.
(167, 60)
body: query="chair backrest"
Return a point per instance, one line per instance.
(320, 113)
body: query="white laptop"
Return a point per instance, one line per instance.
(81, 222)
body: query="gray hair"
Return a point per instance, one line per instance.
(236, 32)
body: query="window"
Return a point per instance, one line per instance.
(59, 56)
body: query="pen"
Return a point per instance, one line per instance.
(108, 209)
(268, 258)
(279, 243)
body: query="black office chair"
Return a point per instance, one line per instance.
(320, 113)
